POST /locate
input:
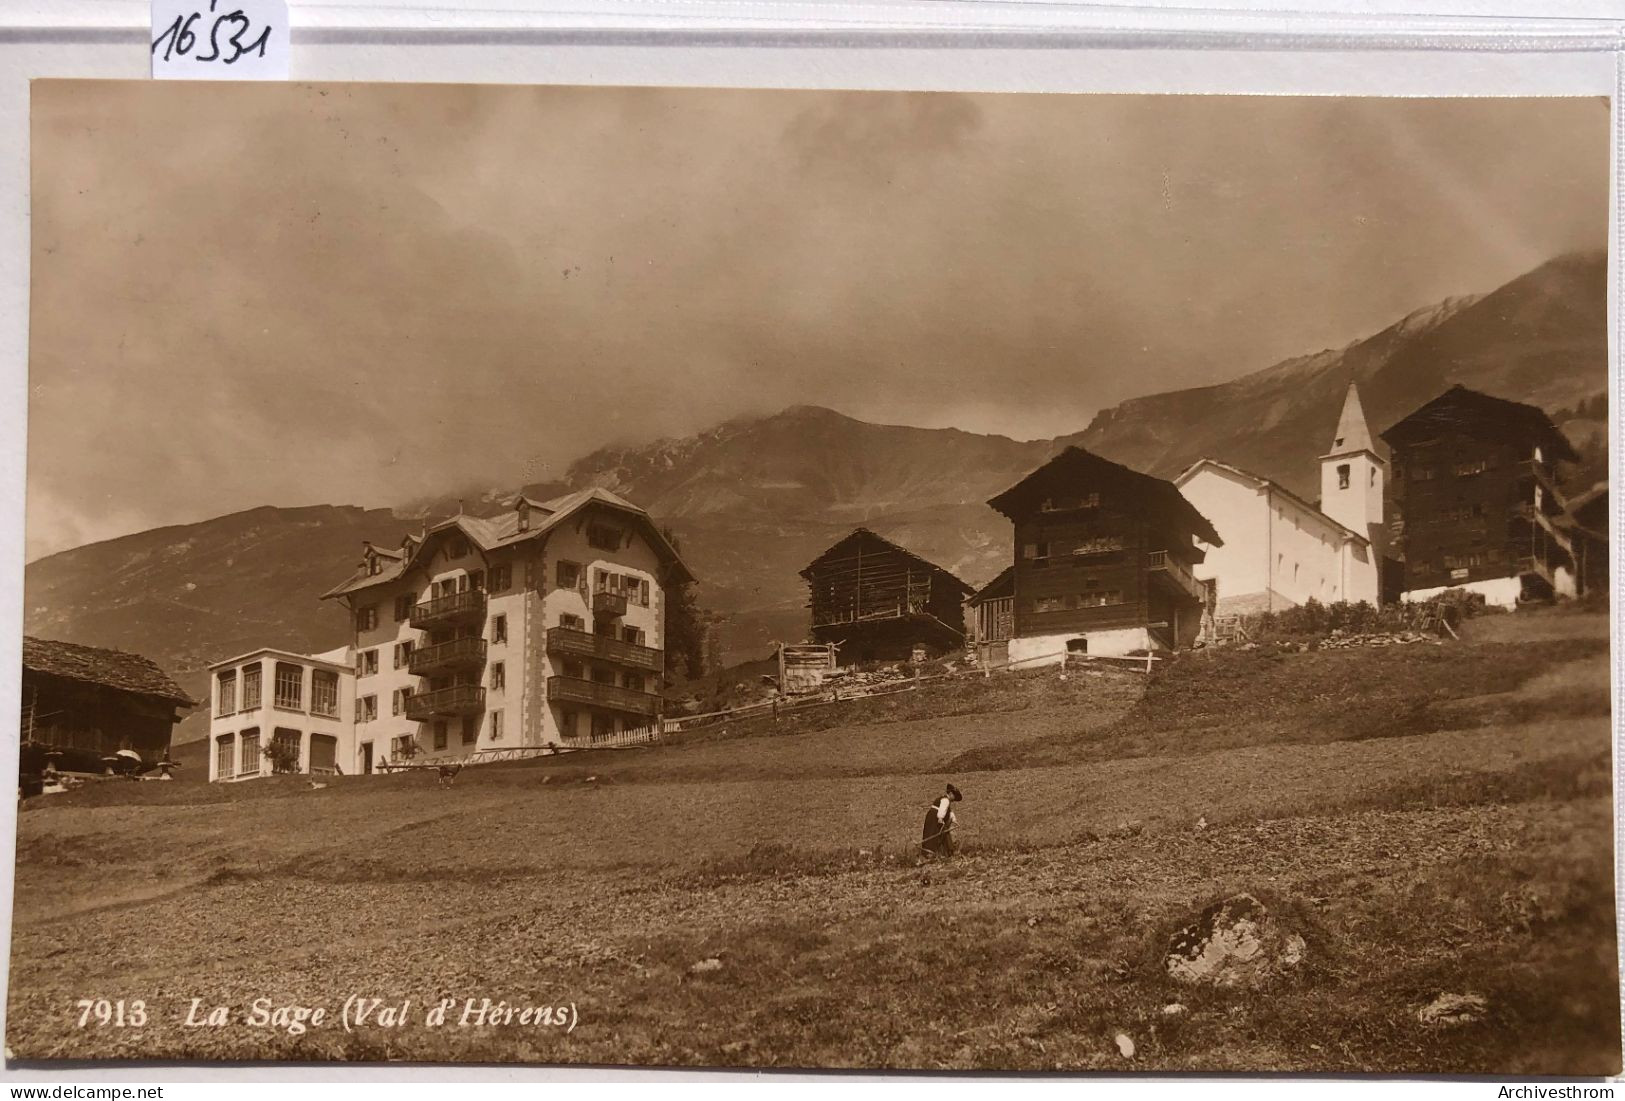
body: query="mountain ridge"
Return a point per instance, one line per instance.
(754, 498)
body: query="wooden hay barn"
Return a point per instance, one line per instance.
(879, 602)
(88, 703)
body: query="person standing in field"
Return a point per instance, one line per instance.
(937, 837)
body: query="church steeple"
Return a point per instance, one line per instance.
(1353, 476)
(1352, 432)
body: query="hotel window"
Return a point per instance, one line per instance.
(567, 724)
(404, 745)
(440, 734)
(249, 758)
(251, 687)
(499, 675)
(290, 686)
(501, 578)
(568, 575)
(572, 622)
(226, 700)
(632, 680)
(366, 709)
(573, 670)
(287, 743)
(632, 635)
(403, 607)
(471, 729)
(403, 654)
(398, 700)
(324, 692)
(457, 547)
(604, 537)
(1343, 476)
(641, 586)
(366, 663)
(223, 755)
(499, 628)
(496, 726)
(476, 580)
(366, 618)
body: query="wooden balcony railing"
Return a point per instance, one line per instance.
(458, 653)
(1175, 570)
(611, 697)
(566, 640)
(449, 609)
(607, 603)
(460, 699)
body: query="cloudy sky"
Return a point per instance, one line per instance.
(363, 294)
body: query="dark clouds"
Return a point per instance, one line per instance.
(364, 293)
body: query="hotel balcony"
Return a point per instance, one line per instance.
(444, 611)
(460, 699)
(1161, 564)
(610, 697)
(606, 603)
(459, 653)
(581, 644)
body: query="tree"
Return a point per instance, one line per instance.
(685, 622)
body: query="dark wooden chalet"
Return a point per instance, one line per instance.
(88, 704)
(1100, 547)
(992, 613)
(879, 602)
(1475, 494)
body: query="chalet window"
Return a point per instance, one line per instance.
(1068, 504)
(471, 729)
(499, 628)
(290, 686)
(572, 622)
(1036, 553)
(632, 635)
(440, 734)
(640, 591)
(1421, 473)
(496, 726)
(499, 675)
(1049, 604)
(457, 546)
(403, 607)
(604, 537)
(1343, 471)
(523, 512)
(476, 580)
(373, 565)
(366, 663)
(226, 699)
(223, 756)
(249, 758)
(1475, 466)
(366, 618)
(403, 654)
(501, 578)
(1100, 598)
(251, 687)
(324, 692)
(1100, 544)
(366, 709)
(569, 575)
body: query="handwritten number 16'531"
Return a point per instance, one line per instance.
(225, 42)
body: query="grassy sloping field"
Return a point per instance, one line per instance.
(1431, 819)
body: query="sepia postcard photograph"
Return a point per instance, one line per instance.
(894, 581)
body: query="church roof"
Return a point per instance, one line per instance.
(1261, 482)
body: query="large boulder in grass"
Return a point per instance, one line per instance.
(1234, 942)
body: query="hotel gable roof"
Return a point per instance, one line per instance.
(526, 520)
(1075, 468)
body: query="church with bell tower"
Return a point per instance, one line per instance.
(1279, 550)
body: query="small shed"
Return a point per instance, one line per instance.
(87, 703)
(880, 602)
